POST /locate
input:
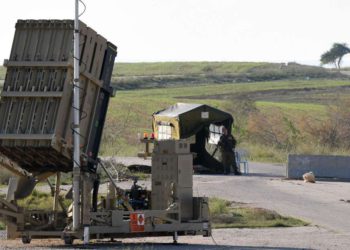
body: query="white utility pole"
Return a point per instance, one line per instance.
(76, 122)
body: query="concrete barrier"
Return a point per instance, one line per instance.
(323, 166)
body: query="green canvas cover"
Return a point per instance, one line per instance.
(192, 121)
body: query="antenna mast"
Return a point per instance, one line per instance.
(76, 124)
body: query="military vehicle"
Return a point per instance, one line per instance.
(38, 134)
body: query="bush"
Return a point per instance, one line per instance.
(218, 206)
(277, 130)
(37, 200)
(207, 69)
(334, 131)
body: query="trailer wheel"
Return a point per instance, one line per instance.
(68, 240)
(26, 239)
(175, 238)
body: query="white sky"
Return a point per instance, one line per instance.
(199, 30)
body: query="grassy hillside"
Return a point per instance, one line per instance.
(176, 68)
(151, 75)
(183, 68)
(288, 115)
(165, 74)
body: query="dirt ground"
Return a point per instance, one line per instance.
(324, 204)
(272, 238)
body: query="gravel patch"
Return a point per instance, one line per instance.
(268, 238)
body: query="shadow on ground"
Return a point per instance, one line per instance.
(264, 175)
(156, 246)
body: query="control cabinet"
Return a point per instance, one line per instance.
(172, 182)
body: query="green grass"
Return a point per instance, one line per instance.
(39, 201)
(141, 176)
(225, 215)
(183, 68)
(261, 153)
(165, 74)
(212, 89)
(204, 67)
(293, 109)
(293, 106)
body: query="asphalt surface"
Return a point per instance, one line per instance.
(324, 204)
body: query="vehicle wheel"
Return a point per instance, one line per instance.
(26, 239)
(175, 238)
(68, 240)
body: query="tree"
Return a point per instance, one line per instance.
(335, 54)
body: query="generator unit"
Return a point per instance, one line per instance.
(172, 171)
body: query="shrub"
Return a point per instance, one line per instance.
(218, 206)
(37, 200)
(277, 130)
(333, 131)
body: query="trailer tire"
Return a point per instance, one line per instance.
(175, 238)
(26, 239)
(68, 240)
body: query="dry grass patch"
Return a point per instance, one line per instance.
(226, 214)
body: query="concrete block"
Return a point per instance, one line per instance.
(323, 166)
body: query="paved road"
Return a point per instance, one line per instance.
(323, 203)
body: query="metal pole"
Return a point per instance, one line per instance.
(76, 113)
(56, 197)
